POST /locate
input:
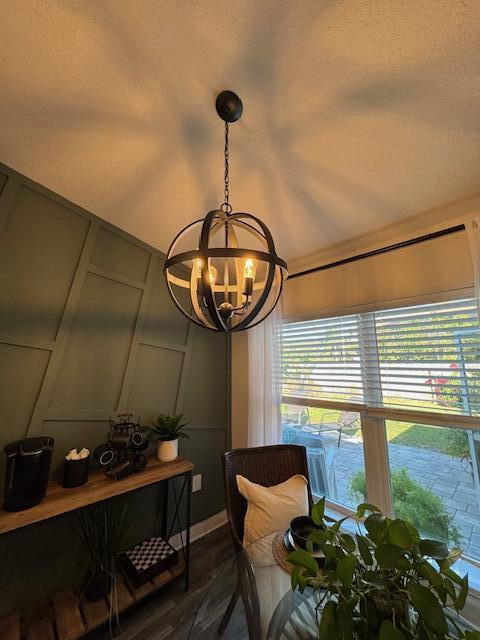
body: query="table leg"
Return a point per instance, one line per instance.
(164, 523)
(187, 541)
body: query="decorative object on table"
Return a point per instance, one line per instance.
(384, 582)
(168, 429)
(121, 455)
(27, 472)
(281, 547)
(300, 530)
(75, 470)
(227, 261)
(102, 527)
(146, 560)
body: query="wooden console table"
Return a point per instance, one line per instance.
(70, 617)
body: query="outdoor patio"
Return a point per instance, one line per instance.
(448, 477)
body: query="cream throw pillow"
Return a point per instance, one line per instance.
(272, 508)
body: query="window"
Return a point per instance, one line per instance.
(425, 357)
(386, 404)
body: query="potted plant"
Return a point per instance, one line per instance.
(102, 527)
(168, 429)
(384, 582)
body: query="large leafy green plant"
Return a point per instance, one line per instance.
(384, 582)
(169, 427)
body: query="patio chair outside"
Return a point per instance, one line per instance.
(296, 415)
(346, 420)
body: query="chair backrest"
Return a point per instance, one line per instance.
(264, 465)
(347, 418)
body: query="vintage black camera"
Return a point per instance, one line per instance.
(121, 455)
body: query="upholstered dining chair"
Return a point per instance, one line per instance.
(266, 466)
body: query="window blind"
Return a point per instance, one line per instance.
(321, 359)
(425, 357)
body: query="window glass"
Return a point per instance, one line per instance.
(434, 481)
(334, 444)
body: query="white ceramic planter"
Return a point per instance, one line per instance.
(167, 450)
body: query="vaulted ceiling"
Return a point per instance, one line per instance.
(356, 113)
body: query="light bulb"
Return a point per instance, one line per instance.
(248, 273)
(248, 269)
(212, 275)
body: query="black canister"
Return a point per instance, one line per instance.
(27, 470)
(75, 472)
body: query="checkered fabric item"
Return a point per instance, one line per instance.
(149, 558)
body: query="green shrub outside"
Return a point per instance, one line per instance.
(414, 503)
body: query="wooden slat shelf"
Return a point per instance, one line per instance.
(59, 500)
(70, 618)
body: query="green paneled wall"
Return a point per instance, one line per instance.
(87, 330)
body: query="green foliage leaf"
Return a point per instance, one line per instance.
(327, 627)
(433, 549)
(376, 525)
(375, 579)
(426, 571)
(345, 570)
(364, 507)
(389, 632)
(338, 524)
(413, 532)
(318, 511)
(168, 427)
(303, 559)
(344, 619)
(453, 555)
(453, 576)
(348, 542)
(389, 556)
(462, 596)
(450, 588)
(319, 536)
(294, 582)
(362, 543)
(399, 534)
(428, 608)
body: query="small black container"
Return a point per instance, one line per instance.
(75, 472)
(301, 528)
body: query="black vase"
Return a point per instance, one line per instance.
(98, 586)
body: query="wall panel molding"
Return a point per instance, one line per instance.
(7, 198)
(157, 334)
(116, 277)
(122, 405)
(38, 416)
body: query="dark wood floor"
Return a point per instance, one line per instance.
(171, 613)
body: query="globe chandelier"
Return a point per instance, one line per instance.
(222, 271)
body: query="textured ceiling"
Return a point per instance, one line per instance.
(357, 113)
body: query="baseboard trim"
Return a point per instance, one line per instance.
(201, 529)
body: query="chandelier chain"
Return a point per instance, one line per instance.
(226, 206)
